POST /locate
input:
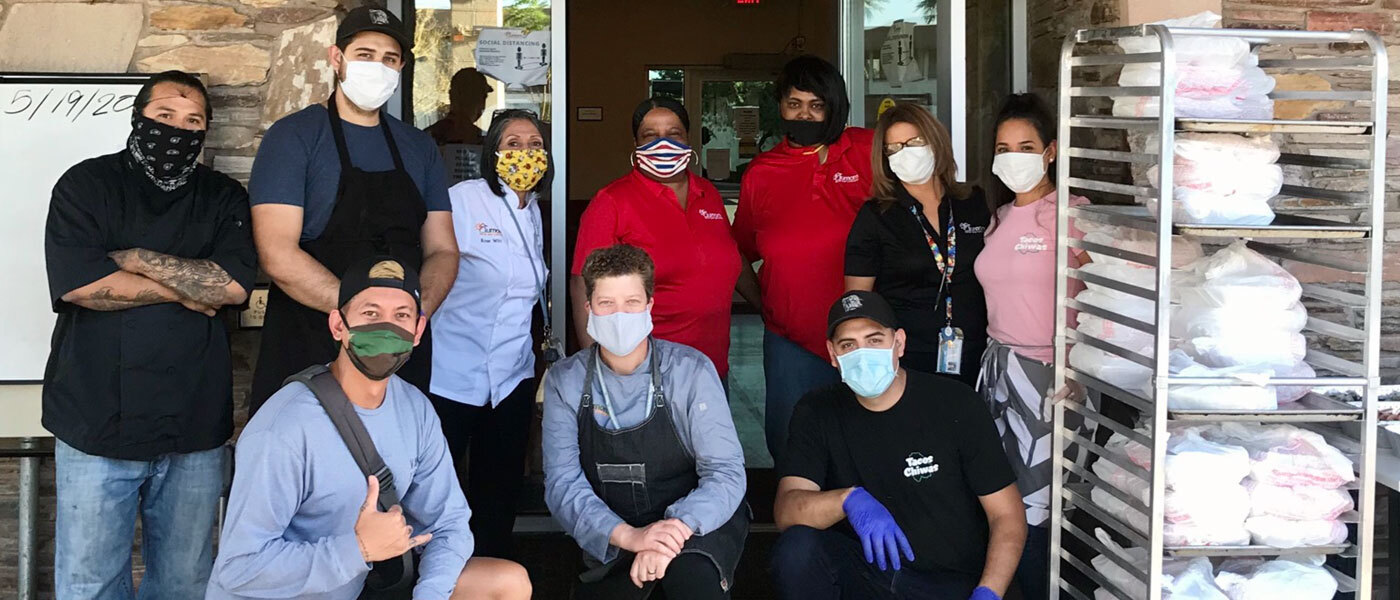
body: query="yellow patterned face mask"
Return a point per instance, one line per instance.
(522, 169)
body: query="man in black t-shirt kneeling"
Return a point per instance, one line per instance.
(909, 469)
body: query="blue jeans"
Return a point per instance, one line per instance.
(821, 564)
(789, 372)
(177, 497)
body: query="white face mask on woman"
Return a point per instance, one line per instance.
(620, 332)
(369, 84)
(1020, 171)
(913, 164)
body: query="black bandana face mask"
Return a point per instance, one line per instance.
(167, 154)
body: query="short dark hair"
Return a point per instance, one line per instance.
(665, 102)
(492, 141)
(814, 75)
(180, 78)
(619, 261)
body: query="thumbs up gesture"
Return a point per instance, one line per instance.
(384, 535)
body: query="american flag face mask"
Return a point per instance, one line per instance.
(663, 158)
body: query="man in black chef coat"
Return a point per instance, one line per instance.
(143, 247)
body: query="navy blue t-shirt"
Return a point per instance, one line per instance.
(298, 164)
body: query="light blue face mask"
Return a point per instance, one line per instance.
(868, 371)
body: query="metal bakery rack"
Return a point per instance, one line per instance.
(1351, 218)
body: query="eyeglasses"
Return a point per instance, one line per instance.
(913, 142)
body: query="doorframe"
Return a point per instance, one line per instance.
(951, 102)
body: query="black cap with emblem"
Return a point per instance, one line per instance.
(859, 304)
(379, 271)
(373, 18)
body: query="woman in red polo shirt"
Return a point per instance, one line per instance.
(679, 219)
(796, 205)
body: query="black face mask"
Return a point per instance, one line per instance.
(804, 133)
(167, 154)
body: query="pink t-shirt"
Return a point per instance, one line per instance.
(1017, 272)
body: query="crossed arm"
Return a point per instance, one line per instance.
(150, 277)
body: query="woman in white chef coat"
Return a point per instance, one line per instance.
(484, 383)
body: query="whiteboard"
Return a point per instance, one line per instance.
(48, 123)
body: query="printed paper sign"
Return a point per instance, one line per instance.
(513, 56)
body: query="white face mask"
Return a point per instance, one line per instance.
(369, 84)
(620, 332)
(1020, 171)
(913, 164)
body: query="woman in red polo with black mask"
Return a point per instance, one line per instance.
(679, 219)
(796, 205)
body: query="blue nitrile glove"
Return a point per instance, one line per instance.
(879, 535)
(984, 593)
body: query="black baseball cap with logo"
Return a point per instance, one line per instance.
(373, 18)
(860, 304)
(379, 271)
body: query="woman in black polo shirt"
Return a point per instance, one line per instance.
(915, 242)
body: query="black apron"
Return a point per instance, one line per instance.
(640, 471)
(375, 213)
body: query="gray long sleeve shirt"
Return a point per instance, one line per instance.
(700, 411)
(297, 492)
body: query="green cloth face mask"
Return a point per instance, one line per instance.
(379, 349)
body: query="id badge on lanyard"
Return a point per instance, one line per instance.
(950, 339)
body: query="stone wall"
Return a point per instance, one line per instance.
(261, 58)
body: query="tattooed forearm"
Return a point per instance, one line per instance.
(202, 281)
(108, 299)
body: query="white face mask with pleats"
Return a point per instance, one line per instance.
(369, 84)
(913, 164)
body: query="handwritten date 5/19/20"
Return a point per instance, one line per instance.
(72, 104)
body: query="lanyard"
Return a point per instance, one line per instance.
(607, 399)
(534, 268)
(945, 266)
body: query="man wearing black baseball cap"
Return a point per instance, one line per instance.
(337, 182)
(297, 491)
(893, 484)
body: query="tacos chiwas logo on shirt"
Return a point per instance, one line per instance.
(919, 467)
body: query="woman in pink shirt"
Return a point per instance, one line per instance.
(1017, 271)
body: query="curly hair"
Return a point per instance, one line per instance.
(618, 261)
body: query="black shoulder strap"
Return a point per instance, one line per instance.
(352, 430)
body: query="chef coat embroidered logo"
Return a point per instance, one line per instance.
(488, 233)
(919, 467)
(843, 178)
(710, 216)
(970, 228)
(850, 303)
(1031, 244)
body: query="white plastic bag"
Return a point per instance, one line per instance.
(1194, 580)
(1224, 107)
(1114, 333)
(1124, 580)
(1264, 347)
(1193, 49)
(1209, 534)
(1120, 372)
(1126, 273)
(1239, 183)
(1283, 533)
(1224, 148)
(1302, 503)
(1193, 461)
(1120, 303)
(1237, 277)
(1192, 321)
(1192, 206)
(1185, 249)
(1285, 455)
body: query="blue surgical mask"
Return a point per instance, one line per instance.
(868, 371)
(620, 332)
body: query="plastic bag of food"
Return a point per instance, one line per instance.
(1123, 579)
(1114, 333)
(1126, 273)
(1193, 461)
(1197, 207)
(1285, 455)
(1208, 534)
(1237, 277)
(1185, 249)
(1302, 503)
(1224, 148)
(1234, 182)
(1193, 321)
(1285, 533)
(1264, 347)
(1223, 107)
(1112, 369)
(1193, 49)
(1120, 303)
(1193, 580)
(1278, 579)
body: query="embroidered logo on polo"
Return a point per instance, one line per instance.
(919, 467)
(840, 177)
(1031, 244)
(970, 228)
(710, 215)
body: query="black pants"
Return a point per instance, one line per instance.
(817, 564)
(497, 438)
(1033, 573)
(688, 577)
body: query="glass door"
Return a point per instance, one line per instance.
(905, 51)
